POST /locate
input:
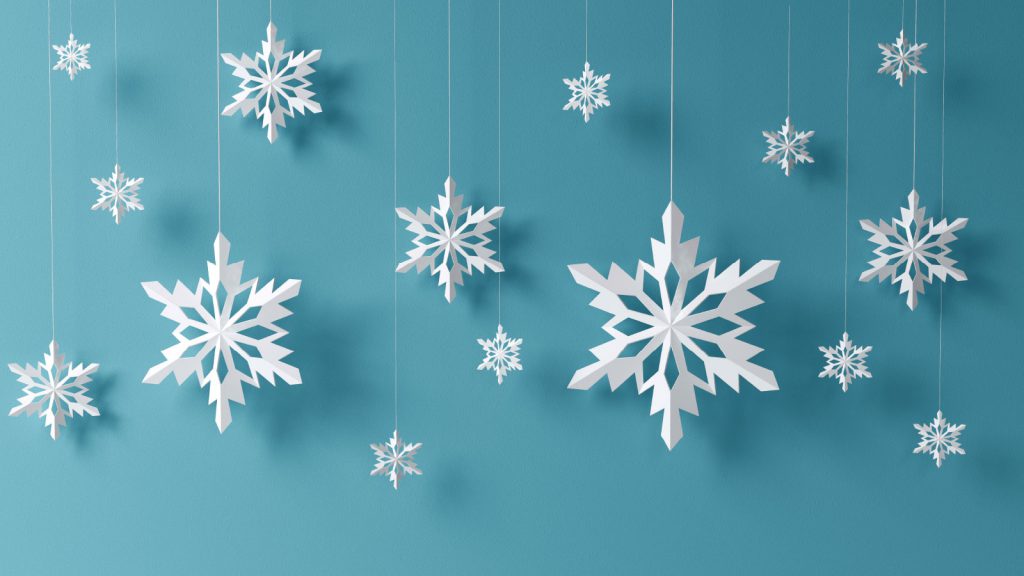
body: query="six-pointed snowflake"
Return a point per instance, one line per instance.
(909, 244)
(268, 78)
(845, 362)
(674, 320)
(450, 240)
(118, 194)
(72, 57)
(501, 354)
(231, 320)
(901, 59)
(55, 390)
(939, 438)
(787, 147)
(588, 92)
(395, 459)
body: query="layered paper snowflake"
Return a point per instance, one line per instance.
(395, 459)
(675, 326)
(912, 250)
(226, 332)
(939, 438)
(55, 390)
(72, 57)
(118, 194)
(589, 92)
(901, 59)
(273, 83)
(787, 147)
(450, 240)
(845, 362)
(501, 354)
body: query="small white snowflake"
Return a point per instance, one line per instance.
(118, 194)
(901, 59)
(501, 354)
(395, 459)
(845, 362)
(588, 92)
(72, 57)
(939, 438)
(55, 390)
(787, 147)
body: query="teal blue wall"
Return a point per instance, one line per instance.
(528, 477)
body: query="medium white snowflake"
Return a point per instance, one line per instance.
(909, 244)
(268, 78)
(939, 438)
(118, 194)
(55, 390)
(588, 92)
(845, 362)
(450, 240)
(72, 57)
(230, 328)
(682, 316)
(901, 59)
(501, 354)
(395, 459)
(787, 147)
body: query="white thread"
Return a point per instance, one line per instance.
(49, 124)
(217, 111)
(586, 30)
(846, 182)
(449, 88)
(789, 51)
(71, 19)
(271, 10)
(394, 168)
(913, 169)
(117, 145)
(499, 156)
(672, 106)
(942, 179)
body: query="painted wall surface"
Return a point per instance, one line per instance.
(528, 477)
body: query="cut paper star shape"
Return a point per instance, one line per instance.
(72, 57)
(55, 389)
(589, 92)
(273, 83)
(845, 362)
(901, 59)
(450, 240)
(226, 332)
(118, 194)
(395, 459)
(501, 354)
(912, 250)
(787, 147)
(675, 326)
(939, 438)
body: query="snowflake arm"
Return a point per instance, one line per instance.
(501, 354)
(901, 59)
(845, 362)
(72, 57)
(55, 390)
(588, 92)
(118, 194)
(395, 459)
(787, 147)
(939, 438)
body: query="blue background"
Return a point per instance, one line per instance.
(528, 477)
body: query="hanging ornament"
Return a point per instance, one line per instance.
(395, 459)
(55, 390)
(72, 57)
(118, 194)
(787, 147)
(939, 438)
(501, 354)
(901, 59)
(588, 92)
(845, 362)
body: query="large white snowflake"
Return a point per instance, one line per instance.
(939, 438)
(672, 321)
(845, 362)
(909, 244)
(901, 59)
(268, 78)
(787, 147)
(450, 240)
(72, 57)
(588, 92)
(395, 459)
(501, 354)
(55, 390)
(118, 194)
(226, 332)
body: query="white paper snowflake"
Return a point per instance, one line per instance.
(787, 147)
(72, 57)
(939, 438)
(588, 92)
(909, 244)
(118, 194)
(268, 78)
(845, 362)
(395, 459)
(229, 326)
(672, 320)
(501, 354)
(55, 390)
(901, 59)
(450, 240)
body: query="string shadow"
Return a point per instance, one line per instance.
(332, 85)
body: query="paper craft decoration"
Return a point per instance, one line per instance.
(234, 321)
(909, 244)
(118, 194)
(72, 57)
(787, 147)
(845, 362)
(450, 240)
(501, 354)
(588, 92)
(55, 390)
(686, 314)
(939, 438)
(901, 59)
(268, 78)
(395, 459)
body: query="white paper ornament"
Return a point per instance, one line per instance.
(901, 59)
(939, 438)
(118, 194)
(589, 92)
(395, 459)
(845, 362)
(501, 354)
(787, 147)
(72, 57)
(55, 390)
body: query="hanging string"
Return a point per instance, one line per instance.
(271, 10)
(216, 110)
(672, 105)
(586, 30)
(49, 127)
(942, 177)
(117, 145)
(846, 183)
(789, 52)
(913, 175)
(394, 182)
(449, 88)
(903, 15)
(499, 156)
(71, 20)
